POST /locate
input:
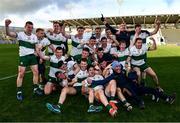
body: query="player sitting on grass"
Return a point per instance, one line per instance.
(75, 87)
(54, 67)
(27, 45)
(98, 90)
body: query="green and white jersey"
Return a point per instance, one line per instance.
(70, 67)
(138, 55)
(122, 55)
(80, 76)
(26, 43)
(54, 65)
(57, 40)
(75, 44)
(44, 43)
(96, 78)
(91, 49)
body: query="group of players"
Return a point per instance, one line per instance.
(107, 68)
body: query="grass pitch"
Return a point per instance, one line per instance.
(165, 61)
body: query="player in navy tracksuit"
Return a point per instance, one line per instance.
(130, 84)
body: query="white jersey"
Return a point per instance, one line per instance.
(96, 78)
(122, 55)
(26, 43)
(75, 43)
(54, 65)
(91, 50)
(70, 67)
(138, 55)
(80, 76)
(57, 40)
(44, 43)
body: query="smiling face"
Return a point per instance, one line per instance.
(28, 28)
(83, 65)
(122, 46)
(58, 53)
(138, 44)
(117, 69)
(91, 72)
(56, 27)
(40, 34)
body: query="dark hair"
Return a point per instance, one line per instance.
(86, 49)
(90, 66)
(28, 22)
(80, 27)
(107, 29)
(84, 60)
(137, 40)
(137, 25)
(59, 48)
(98, 28)
(100, 49)
(39, 29)
(92, 37)
(59, 23)
(60, 63)
(103, 38)
(122, 41)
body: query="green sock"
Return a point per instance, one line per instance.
(124, 102)
(112, 98)
(108, 107)
(19, 89)
(35, 86)
(59, 105)
(90, 104)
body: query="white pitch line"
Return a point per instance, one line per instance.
(8, 77)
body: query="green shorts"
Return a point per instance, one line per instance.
(142, 67)
(28, 60)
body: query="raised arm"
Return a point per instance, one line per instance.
(154, 46)
(11, 34)
(156, 28)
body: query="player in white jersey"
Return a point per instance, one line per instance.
(121, 53)
(75, 87)
(77, 41)
(143, 34)
(138, 63)
(43, 43)
(98, 90)
(27, 44)
(56, 37)
(54, 67)
(106, 46)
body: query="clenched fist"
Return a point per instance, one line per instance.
(7, 22)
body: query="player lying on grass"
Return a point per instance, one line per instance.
(138, 62)
(109, 84)
(73, 88)
(27, 45)
(142, 90)
(54, 67)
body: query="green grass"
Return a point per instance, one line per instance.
(165, 61)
